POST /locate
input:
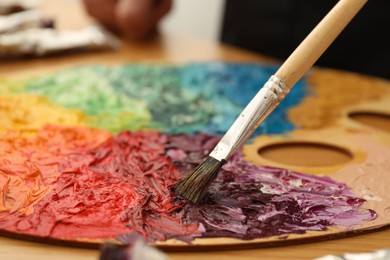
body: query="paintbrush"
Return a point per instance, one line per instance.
(195, 184)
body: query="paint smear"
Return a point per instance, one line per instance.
(93, 187)
(174, 99)
(68, 182)
(28, 113)
(29, 166)
(248, 201)
(89, 184)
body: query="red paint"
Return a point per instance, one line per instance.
(121, 186)
(29, 166)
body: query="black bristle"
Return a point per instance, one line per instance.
(194, 186)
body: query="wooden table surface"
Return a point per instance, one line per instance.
(163, 48)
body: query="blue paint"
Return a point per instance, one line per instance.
(232, 86)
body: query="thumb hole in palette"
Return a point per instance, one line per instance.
(308, 154)
(375, 120)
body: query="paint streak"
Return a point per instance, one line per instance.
(248, 201)
(89, 90)
(230, 86)
(87, 184)
(90, 191)
(29, 166)
(29, 113)
(175, 99)
(69, 182)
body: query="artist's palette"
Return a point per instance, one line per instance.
(90, 154)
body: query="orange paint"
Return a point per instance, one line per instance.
(29, 166)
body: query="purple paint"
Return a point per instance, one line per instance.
(248, 201)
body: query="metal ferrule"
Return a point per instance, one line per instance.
(265, 101)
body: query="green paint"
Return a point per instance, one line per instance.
(174, 108)
(89, 89)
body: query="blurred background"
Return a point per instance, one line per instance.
(185, 18)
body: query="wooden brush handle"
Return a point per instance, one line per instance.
(307, 53)
(276, 88)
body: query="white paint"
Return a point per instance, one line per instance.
(197, 18)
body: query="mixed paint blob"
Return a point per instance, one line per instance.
(173, 99)
(95, 152)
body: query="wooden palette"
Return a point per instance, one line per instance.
(351, 145)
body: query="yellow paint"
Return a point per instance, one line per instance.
(29, 113)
